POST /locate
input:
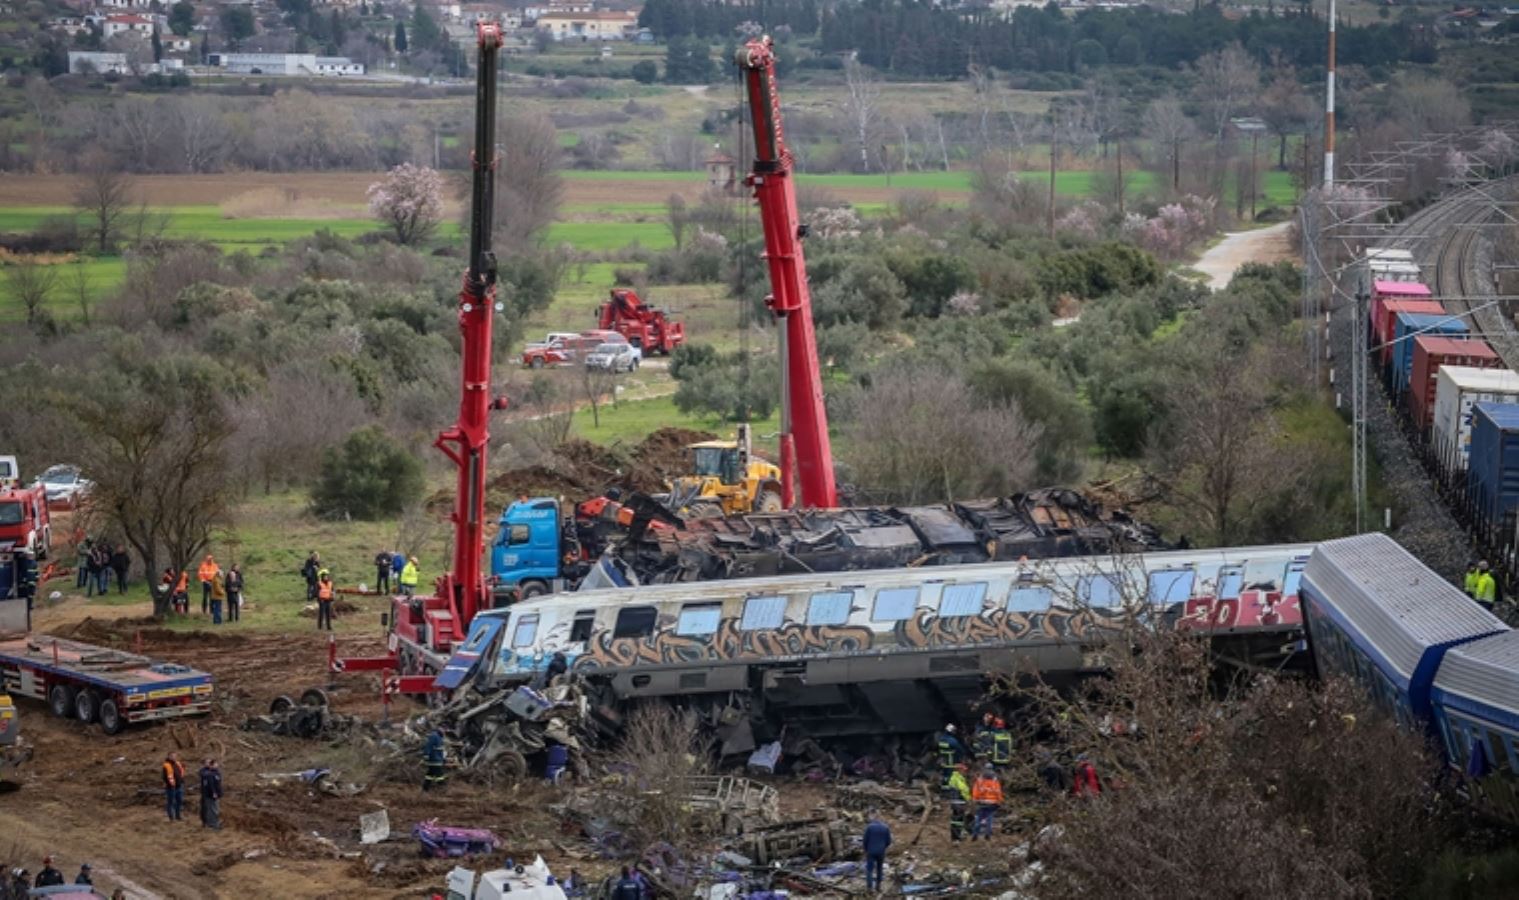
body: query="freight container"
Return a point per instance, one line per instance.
(1382, 314)
(1433, 352)
(1457, 389)
(1493, 475)
(1407, 327)
(1392, 265)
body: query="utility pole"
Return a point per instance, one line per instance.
(1329, 110)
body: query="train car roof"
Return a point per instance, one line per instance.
(1485, 673)
(873, 578)
(1373, 587)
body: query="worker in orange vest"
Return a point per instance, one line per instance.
(206, 573)
(174, 786)
(987, 793)
(182, 593)
(325, 594)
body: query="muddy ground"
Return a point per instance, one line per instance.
(89, 798)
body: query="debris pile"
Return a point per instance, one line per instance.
(311, 718)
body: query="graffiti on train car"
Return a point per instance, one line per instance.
(728, 642)
(927, 629)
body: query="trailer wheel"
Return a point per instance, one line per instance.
(60, 699)
(280, 704)
(87, 707)
(769, 501)
(537, 362)
(314, 697)
(111, 721)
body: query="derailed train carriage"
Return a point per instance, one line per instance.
(879, 652)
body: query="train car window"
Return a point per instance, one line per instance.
(525, 631)
(1035, 598)
(829, 607)
(1099, 591)
(635, 621)
(764, 612)
(698, 619)
(1231, 580)
(1171, 586)
(962, 599)
(1292, 582)
(580, 629)
(519, 534)
(894, 604)
(1452, 749)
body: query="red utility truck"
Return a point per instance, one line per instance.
(24, 522)
(649, 328)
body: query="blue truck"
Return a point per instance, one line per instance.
(528, 554)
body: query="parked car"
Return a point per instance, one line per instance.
(567, 350)
(65, 486)
(614, 357)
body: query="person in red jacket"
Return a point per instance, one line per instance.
(1085, 783)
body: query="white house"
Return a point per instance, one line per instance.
(69, 25)
(127, 24)
(285, 64)
(338, 65)
(87, 62)
(606, 25)
(173, 43)
(127, 4)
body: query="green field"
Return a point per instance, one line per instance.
(631, 421)
(603, 236)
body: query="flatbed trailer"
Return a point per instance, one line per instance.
(100, 685)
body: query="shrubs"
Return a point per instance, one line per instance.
(369, 476)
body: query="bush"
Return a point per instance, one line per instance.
(645, 72)
(368, 477)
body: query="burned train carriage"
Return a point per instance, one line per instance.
(893, 650)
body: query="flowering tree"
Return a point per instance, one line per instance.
(410, 200)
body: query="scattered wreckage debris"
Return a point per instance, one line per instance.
(448, 841)
(311, 718)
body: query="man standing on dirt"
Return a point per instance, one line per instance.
(309, 572)
(121, 564)
(218, 596)
(325, 594)
(434, 760)
(877, 841)
(206, 573)
(382, 572)
(234, 593)
(174, 786)
(211, 796)
(409, 577)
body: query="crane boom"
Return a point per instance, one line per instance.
(463, 586)
(806, 456)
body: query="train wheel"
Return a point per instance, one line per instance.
(87, 707)
(111, 721)
(280, 704)
(314, 697)
(60, 699)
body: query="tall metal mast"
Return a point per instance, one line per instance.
(464, 442)
(806, 455)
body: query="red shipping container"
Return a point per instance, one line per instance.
(1400, 290)
(1430, 353)
(1387, 311)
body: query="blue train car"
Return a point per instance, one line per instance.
(1375, 613)
(1476, 711)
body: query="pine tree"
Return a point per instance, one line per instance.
(400, 37)
(158, 46)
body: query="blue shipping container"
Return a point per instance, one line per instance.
(1403, 351)
(1493, 474)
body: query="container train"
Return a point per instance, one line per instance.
(1428, 654)
(890, 651)
(1450, 386)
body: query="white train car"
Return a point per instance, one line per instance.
(856, 652)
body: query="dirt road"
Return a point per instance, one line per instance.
(1265, 245)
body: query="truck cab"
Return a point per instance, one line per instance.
(527, 556)
(24, 521)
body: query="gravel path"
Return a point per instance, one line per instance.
(1267, 245)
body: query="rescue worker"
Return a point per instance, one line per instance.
(951, 752)
(218, 596)
(988, 796)
(957, 792)
(121, 564)
(211, 796)
(21, 883)
(26, 581)
(1473, 572)
(408, 579)
(558, 759)
(1002, 744)
(182, 592)
(981, 741)
(234, 594)
(433, 759)
(382, 572)
(174, 786)
(1085, 782)
(627, 888)
(325, 594)
(558, 665)
(309, 571)
(206, 573)
(875, 844)
(1487, 586)
(49, 876)
(84, 876)
(1050, 770)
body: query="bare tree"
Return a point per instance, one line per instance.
(920, 436)
(80, 290)
(103, 194)
(1423, 104)
(861, 105)
(1228, 81)
(200, 129)
(677, 218)
(1285, 107)
(1169, 129)
(662, 752)
(527, 202)
(597, 386)
(46, 107)
(30, 283)
(275, 448)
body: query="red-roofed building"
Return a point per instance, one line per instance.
(127, 24)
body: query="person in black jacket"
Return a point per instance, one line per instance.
(49, 876)
(234, 585)
(627, 888)
(211, 796)
(121, 564)
(309, 572)
(84, 875)
(382, 572)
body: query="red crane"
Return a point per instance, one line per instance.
(424, 630)
(806, 456)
